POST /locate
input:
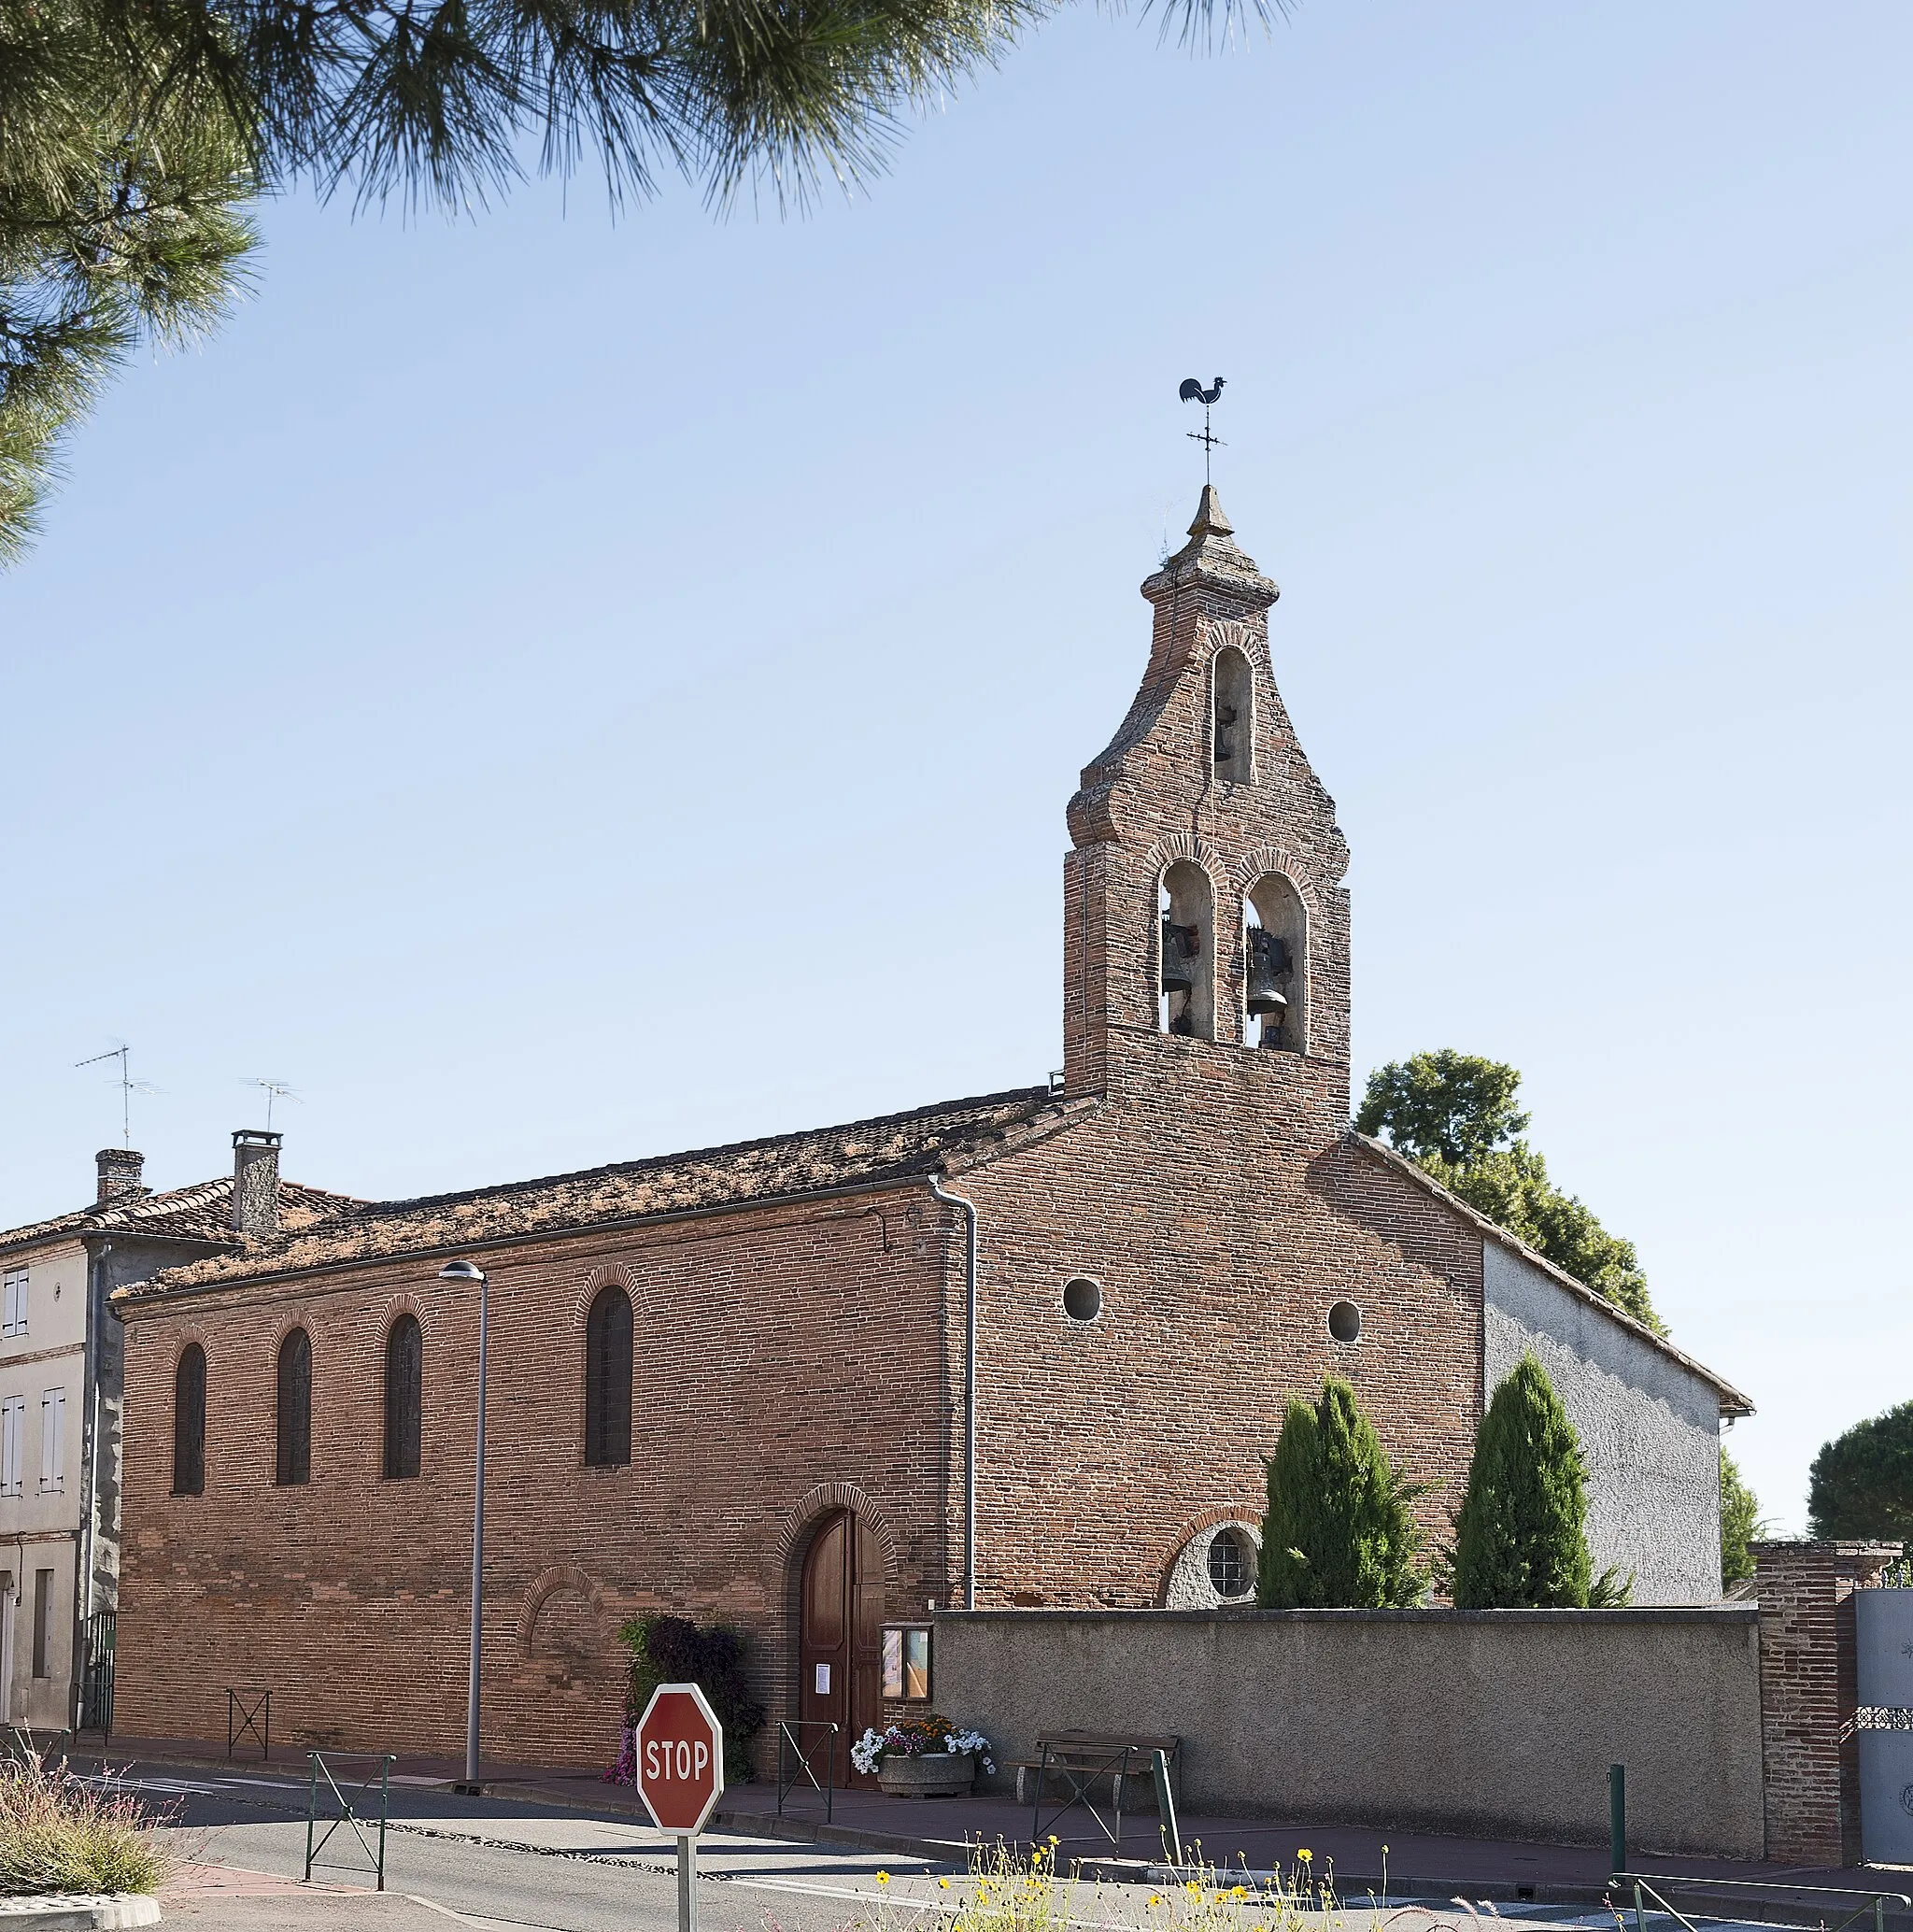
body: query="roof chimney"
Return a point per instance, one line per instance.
(119, 1169)
(256, 1181)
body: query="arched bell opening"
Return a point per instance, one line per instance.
(1276, 992)
(1232, 720)
(1186, 916)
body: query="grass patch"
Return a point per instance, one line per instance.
(58, 1834)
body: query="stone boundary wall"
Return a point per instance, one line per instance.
(1499, 1723)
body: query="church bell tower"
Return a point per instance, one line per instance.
(1206, 927)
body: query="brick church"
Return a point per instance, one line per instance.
(1026, 1348)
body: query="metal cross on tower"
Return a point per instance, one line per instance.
(1192, 391)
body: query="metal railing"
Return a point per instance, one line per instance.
(1645, 1887)
(796, 1761)
(96, 1674)
(248, 1714)
(348, 1813)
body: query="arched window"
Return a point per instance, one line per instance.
(1278, 981)
(405, 1373)
(188, 1422)
(1186, 903)
(1232, 732)
(294, 1412)
(608, 1378)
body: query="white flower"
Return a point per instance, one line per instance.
(868, 1751)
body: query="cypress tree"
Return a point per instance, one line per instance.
(1339, 1532)
(1521, 1533)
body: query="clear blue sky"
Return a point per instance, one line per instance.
(557, 691)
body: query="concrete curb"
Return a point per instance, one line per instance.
(78, 1912)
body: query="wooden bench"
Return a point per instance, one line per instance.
(1079, 1758)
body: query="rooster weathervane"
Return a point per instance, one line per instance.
(1192, 391)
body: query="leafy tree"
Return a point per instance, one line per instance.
(122, 221)
(1454, 1116)
(132, 131)
(1862, 1482)
(1340, 1532)
(1521, 1533)
(673, 1650)
(1446, 1106)
(1740, 1524)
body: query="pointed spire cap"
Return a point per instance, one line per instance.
(1210, 518)
(1211, 558)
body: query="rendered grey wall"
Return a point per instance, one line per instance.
(1495, 1722)
(1650, 1428)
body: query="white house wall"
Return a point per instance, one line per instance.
(1649, 1429)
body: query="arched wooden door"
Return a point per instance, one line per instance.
(841, 1633)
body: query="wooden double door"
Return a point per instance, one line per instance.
(841, 1635)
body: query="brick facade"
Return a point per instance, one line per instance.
(1810, 1694)
(806, 1350)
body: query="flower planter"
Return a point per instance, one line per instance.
(935, 1774)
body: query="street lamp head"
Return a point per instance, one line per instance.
(468, 1272)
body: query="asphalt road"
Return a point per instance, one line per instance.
(518, 1867)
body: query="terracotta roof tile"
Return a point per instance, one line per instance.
(200, 1212)
(891, 1147)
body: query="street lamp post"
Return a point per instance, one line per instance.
(469, 1272)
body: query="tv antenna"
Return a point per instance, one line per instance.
(126, 1084)
(274, 1090)
(1192, 391)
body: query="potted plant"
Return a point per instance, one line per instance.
(922, 1757)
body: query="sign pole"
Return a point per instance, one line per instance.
(687, 1882)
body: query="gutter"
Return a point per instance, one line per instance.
(969, 1207)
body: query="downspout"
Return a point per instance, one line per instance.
(969, 1207)
(96, 1271)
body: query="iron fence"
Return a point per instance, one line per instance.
(348, 1800)
(796, 1761)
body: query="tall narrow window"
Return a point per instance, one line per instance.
(1186, 902)
(608, 1378)
(188, 1422)
(405, 1370)
(13, 1302)
(295, 1410)
(1232, 733)
(43, 1605)
(1278, 980)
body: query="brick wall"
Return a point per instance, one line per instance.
(788, 1361)
(1810, 1694)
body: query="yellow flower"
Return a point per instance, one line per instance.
(1305, 1856)
(882, 1878)
(1155, 1900)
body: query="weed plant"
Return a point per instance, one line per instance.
(58, 1834)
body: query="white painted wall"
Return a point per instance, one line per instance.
(1650, 1429)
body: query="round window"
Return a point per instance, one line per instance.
(1081, 1299)
(1231, 1563)
(1345, 1321)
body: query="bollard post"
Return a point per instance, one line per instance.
(1617, 1819)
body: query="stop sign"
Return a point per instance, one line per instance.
(680, 1750)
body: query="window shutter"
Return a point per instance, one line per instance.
(53, 1439)
(12, 1413)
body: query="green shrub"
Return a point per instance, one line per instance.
(59, 1835)
(673, 1650)
(1339, 1532)
(1521, 1533)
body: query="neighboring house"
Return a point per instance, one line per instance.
(60, 1401)
(793, 1387)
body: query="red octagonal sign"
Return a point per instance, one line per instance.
(680, 1750)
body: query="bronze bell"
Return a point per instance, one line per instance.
(1180, 946)
(1224, 745)
(1269, 962)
